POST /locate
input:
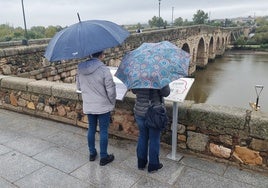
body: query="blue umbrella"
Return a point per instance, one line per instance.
(153, 65)
(85, 38)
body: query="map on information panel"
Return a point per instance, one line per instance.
(179, 89)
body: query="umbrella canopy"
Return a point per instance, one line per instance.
(85, 38)
(153, 65)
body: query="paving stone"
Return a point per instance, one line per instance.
(68, 139)
(4, 149)
(50, 177)
(69, 128)
(29, 145)
(15, 165)
(12, 124)
(62, 159)
(204, 165)
(66, 164)
(8, 124)
(151, 183)
(8, 135)
(252, 178)
(106, 176)
(84, 149)
(196, 178)
(39, 131)
(6, 184)
(121, 155)
(169, 173)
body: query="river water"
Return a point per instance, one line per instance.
(230, 80)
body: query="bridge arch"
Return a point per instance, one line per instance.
(186, 48)
(218, 47)
(211, 49)
(192, 66)
(201, 55)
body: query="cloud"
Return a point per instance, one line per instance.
(63, 12)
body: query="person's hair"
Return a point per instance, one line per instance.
(97, 54)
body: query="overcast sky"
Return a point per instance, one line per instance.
(122, 12)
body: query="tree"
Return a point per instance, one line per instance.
(178, 21)
(51, 31)
(157, 22)
(200, 17)
(38, 31)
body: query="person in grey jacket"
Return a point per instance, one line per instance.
(96, 84)
(149, 138)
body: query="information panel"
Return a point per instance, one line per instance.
(121, 89)
(179, 89)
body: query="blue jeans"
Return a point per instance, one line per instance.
(104, 122)
(148, 139)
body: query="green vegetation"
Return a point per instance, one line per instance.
(157, 22)
(258, 37)
(9, 33)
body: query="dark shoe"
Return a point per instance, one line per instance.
(92, 157)
(154, 168)
(106, 160)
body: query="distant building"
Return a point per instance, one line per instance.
(245, 20)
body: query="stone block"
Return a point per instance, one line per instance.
(220, 151)
(217, 118)
(1, 77)
(259, 126)
(2, 53)
(11, 52)
(62, 119)
(42, 114)
(67, 91)
(82, 124)
(15, 83)
(41, 87)
(247, 156)
(259, 145)
(197, 141)
(13, 108)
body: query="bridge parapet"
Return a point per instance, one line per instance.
(225, 133)
(202, 42)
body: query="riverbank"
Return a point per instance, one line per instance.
(248, 49)
(244, 51)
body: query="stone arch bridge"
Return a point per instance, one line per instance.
(204, 43)
(228, 133)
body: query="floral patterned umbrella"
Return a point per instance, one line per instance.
(153, 65)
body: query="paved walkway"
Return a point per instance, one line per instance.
(42, 153)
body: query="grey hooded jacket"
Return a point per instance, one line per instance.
(96, 83)
(142, 99)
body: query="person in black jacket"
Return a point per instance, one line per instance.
(149, 138)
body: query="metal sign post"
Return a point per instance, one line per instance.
(178, 91)
(174, 155)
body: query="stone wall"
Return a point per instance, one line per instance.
(227, 133)
(29, 62)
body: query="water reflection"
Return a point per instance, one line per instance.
(231, 79)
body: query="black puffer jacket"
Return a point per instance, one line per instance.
(142, 99)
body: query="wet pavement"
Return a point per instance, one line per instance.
(41, 153)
